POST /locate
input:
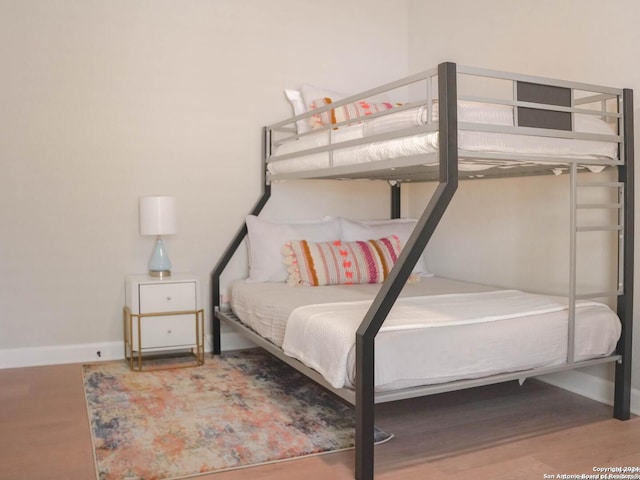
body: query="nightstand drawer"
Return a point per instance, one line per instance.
(168, 331)
(167, 297)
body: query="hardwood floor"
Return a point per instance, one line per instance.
(500, 432)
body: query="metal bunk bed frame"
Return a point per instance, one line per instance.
(364, 398)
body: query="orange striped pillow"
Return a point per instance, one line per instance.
(351, 111)
(340, 263)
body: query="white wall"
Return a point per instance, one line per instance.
(102, 102)
(492, 232)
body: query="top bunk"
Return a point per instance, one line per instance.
(488, 123)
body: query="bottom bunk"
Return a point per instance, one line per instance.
(475, 334)
(439, 331)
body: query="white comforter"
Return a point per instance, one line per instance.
(323, 336)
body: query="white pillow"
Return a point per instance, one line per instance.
(298, 107)
(266, 239)
(352, 230)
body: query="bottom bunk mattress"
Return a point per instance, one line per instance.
(440, 330)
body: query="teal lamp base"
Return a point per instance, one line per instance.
(159, 264)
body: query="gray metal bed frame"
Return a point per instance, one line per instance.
(542, 101)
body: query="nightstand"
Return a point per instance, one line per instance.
(162, 316)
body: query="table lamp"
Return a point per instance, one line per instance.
(158, 217)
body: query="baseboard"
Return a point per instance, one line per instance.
(91, 352)
(590, 386)
(55, 355)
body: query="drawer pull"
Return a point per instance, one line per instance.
(169, 331)
(168, 299)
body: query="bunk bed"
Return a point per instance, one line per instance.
(541, 126)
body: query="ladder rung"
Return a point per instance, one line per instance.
(602, 228)
(599, 205)
(601, 184)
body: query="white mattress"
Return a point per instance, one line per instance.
(406, 358)
(546, 148)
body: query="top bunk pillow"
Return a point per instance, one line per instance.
(314, 97)
(352, 230)
(355, 111)
(266, 239)
(310, 94)
(301, 102)
(297, 105)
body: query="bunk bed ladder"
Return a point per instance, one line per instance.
(575, 229)
(624, 205)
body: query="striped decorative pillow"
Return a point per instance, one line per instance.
(340, 263)
(351, 111)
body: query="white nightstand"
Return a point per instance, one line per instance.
(162, 315)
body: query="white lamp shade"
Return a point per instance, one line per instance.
(157, 215)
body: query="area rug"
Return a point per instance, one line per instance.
(237, 410)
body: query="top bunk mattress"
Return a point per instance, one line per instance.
(474, 146)
(316, 325)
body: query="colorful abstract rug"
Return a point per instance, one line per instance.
(238, 410)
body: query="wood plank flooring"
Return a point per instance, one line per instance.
(499, 432)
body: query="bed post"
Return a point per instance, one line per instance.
(396, 205)
(622, 396)
(388, 293)
(235, 243)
